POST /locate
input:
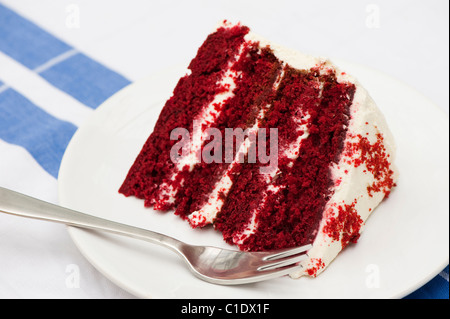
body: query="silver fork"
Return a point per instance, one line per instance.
(212, 264)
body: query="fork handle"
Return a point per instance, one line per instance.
(19, 204)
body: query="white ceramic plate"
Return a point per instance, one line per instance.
(404, 245)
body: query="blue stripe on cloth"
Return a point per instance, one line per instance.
(437, 288)
(42, 135)
(25, 42)
(85, 79)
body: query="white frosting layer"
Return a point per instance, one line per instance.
(291, 153)
(211, 112)
(293, 58)
(208, 213)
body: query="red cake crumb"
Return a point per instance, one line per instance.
(375, 157)
(317, 265)
(345, 225)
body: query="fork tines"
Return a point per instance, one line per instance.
(285, 257)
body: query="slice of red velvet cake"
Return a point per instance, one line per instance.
(274, 148)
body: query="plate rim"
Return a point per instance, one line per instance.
(73, 230)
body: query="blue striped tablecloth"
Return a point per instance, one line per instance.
(50, 89)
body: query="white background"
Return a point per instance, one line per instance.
(405, 39)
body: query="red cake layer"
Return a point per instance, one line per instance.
(192, 93)
(291, 216)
